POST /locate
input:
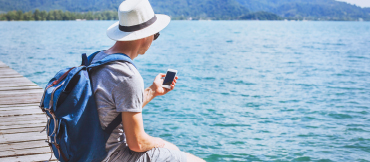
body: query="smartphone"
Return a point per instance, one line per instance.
(170, 76)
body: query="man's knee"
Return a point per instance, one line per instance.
(193, 158)
(169, 145)
(190, 157)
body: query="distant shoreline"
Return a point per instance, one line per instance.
(195, 20)
(59, 15)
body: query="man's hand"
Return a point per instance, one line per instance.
(156, 89)
(157, 85)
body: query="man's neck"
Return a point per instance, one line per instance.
(130, 48)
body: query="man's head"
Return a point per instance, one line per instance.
(139, 46)
(137, 21)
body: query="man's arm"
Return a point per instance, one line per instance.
(156, 89)
(137, 139)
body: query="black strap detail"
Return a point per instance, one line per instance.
(91, 57)
(139, 26)
(113, 124)
(84, 59)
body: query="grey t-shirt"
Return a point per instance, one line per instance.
(118, 87)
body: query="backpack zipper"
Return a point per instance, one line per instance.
(50, 106)
(52, 96)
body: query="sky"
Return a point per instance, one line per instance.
(361, 3)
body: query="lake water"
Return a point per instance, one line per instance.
(248, 90)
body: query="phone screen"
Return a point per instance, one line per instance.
(170, 76)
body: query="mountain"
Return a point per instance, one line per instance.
(199, 8)
(307, 8)
(69, 5)
(217, 9)
(175, 8)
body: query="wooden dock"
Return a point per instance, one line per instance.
(21, 120)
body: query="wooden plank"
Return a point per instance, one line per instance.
(22, 120)
(17, 119)
(10, 76)
(8, 72)
(14, 131)
(20, 87)
(35, 157)
(26, 100)
(19, 137)
(11, 113)
(18, 105)
(16, 99)
(14, 79)
(12, 107)
(31, 98)
(7, 69)
(20, 112)
(15, 83)
(22, 145)
(28, 125)
(21, 92)
(22, 124)
(36, 150)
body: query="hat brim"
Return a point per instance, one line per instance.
(114, 33)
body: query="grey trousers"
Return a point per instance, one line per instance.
(124, 154)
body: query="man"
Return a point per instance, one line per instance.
(119, 88)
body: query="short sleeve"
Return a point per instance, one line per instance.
(128, 94)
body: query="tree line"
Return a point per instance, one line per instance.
(261, 15)
(38, 15)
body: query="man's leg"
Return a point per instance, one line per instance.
(193, 158)
(190, 157)
(169, 145)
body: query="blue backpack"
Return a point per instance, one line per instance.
(73, 128)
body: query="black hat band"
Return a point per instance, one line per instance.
(139, 26)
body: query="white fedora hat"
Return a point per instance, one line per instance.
(136, 20)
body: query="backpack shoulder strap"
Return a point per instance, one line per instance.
(114, 124)
(86, 61)
(110, 58)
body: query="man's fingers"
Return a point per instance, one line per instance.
(172, 87)
(161, 75)
(175, 80)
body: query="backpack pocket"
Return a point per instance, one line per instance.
(58, 138)
(62, 138)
